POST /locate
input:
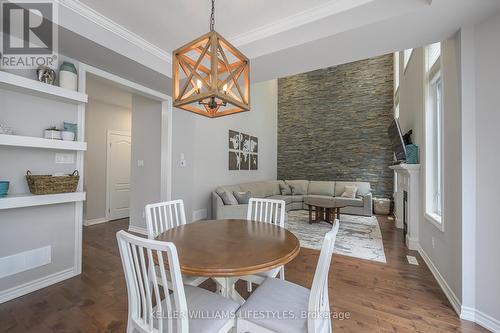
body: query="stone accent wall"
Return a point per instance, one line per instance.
(332, 124)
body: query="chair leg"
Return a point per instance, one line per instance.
(282, 273)
(249, 286)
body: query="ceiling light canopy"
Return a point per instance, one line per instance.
(210, 76)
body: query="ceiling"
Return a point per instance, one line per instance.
(281, 37)
(169, 24)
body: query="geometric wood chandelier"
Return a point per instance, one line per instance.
(210, 76)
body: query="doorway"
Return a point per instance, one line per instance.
(108, 125)
(148, 147)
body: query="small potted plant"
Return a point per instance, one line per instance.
(52, 133)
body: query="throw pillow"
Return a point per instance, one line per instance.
(297, 190)
(242, 197)
(285, 189)
(350, 191)
(228, 198)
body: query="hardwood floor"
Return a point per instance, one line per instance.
(392, 297)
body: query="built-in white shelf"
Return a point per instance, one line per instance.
(34, 142)
(30, 200)
(21, 84)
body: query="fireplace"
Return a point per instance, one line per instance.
(406, 201)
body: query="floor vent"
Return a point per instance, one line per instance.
(412, 260)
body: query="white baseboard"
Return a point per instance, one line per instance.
(18, 291)
(95, 221)
(139, 230)
(480, 318)
(452, 297)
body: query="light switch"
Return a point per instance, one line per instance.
(65, 158)
(182, 160)
(140, 163)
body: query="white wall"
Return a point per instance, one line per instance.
(108, 108)
(146, 147)
(203, 141)
(443, 248)
(488, 159)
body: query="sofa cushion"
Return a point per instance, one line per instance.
(243, 197)
(354, 202)
(350, 191)
(285, 189)
(228, 198)
(262, 189)
(363, 188)
(298, 186)
(227, 188)
(297, 198)
(286, 198)
(321, 188)
(324, 198)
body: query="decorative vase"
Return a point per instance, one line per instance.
(4, 188)
(67, 136)
(68, 77)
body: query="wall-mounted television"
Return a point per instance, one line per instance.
(397, 142)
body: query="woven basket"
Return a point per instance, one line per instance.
(47, 184)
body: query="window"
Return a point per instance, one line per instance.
(396, 85)
(406, 57)
(434, 135)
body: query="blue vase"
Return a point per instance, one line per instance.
(4, 188)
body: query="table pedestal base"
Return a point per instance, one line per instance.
(225, 287)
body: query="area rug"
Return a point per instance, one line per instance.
(359, 236)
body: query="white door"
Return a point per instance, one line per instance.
(118, 174)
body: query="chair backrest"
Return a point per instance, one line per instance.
(267, 210)
(163, 216)
(151, 308)
(319, 305)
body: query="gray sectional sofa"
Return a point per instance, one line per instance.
(361, 205)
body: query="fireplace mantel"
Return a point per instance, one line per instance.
(407, 205)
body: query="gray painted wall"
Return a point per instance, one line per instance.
(488, 181)
(146, 146)
(26, 229)
(204, 144)
(446, 252)
(332, 124)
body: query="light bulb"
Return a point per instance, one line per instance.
(198, 83)
(224, 88)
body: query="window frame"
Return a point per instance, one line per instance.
(434, 88)
(407, 54)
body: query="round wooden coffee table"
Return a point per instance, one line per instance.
(324, 208)
(228, 249)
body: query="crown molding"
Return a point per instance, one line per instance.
(330, 8)
(90, 14)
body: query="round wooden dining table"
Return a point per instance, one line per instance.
(226, 250)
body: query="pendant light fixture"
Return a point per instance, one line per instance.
(210, 76)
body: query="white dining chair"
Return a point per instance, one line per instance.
(303, 310)
(269, 211)
(152, 309)
(167, 215)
